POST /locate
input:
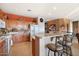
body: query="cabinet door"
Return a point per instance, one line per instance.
(35, 46)
(2, 49)
(17, 38)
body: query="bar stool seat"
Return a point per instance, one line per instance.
(68, 43)
(54, 48)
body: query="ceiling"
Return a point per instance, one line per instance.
(47, 10)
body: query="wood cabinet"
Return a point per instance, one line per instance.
(1, 13)
(2, 44)
(35, 46)
(15, 23)
(22, 37)
(12, 20)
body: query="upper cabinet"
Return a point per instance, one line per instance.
(16, 21)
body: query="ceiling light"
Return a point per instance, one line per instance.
(29, 10)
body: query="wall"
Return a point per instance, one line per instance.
(66, 24)
(56, 22)
(62, 24)
(76, 26)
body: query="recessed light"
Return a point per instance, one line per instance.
(29, 10)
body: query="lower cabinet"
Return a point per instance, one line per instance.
(17, 38)
(2, 44)
(35, 46)
(39, 46)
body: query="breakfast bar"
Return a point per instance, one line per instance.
(43, 40)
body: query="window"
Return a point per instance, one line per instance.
(2, 24)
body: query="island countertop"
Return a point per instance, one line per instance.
(40, 35)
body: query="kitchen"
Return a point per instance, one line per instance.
(14, 29)
(30, 35)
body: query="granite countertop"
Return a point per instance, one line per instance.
(40, 35)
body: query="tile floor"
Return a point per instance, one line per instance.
(25, 49)
(21, 49)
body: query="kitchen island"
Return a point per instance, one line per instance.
(41, 40)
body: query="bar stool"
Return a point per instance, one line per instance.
(69, 44)
(56, 48)
(66, 43)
